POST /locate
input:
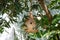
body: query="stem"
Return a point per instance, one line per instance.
(48, 14)
(57, 36)
(31, 5)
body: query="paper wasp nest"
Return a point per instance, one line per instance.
(31, 25)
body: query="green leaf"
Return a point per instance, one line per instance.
(52, 4)
(56, 19)
(1, 29)
(56, 7)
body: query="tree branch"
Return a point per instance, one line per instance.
(48, 14)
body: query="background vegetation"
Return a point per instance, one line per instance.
(15, 8)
